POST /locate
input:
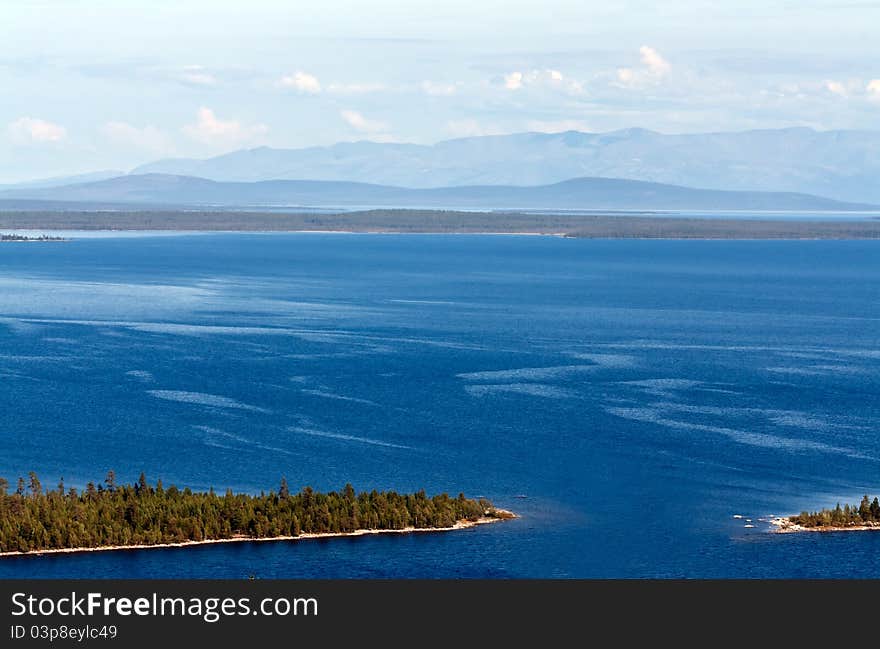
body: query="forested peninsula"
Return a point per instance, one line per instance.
(119, 516)
(864, 516)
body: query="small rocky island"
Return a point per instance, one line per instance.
(25, 238)
(864, 516)
(111, 516)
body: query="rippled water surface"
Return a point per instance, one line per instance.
(627, 398)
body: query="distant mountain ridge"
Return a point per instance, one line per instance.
(843, 165)
(58, 181)
(578, 193)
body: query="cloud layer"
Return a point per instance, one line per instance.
(301, 82)
(360, 123)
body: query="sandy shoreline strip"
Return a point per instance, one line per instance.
(459, 525)
(785, 526)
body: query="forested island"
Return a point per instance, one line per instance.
(118, 516)
(864, 516)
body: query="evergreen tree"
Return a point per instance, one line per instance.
(865, 509)
(35, 486)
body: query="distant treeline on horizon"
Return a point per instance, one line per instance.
(412, 221)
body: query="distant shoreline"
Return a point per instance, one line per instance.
(558, 235)
(459, 525)
(406, 221)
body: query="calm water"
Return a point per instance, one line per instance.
(639, 393)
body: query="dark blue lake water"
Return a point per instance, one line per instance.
(638, 393)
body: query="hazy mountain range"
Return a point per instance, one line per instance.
(579, 193)
(784, 169)
(59, 181)
(844, 165)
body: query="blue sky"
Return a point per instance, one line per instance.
(91, 84)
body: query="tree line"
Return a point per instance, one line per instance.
(33, 518)
(867, 512)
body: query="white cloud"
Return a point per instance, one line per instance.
(355, 88)
(211, 130)
(301, 82)
(836, 88)
(873, 89)
(654, 69)
(847, 88)
(546, 77)
(439, 89)
(513, 81)
(360, 123)
(626, 76)
(652, 60)
(148, 138)
(29, 130)
(309, 84)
